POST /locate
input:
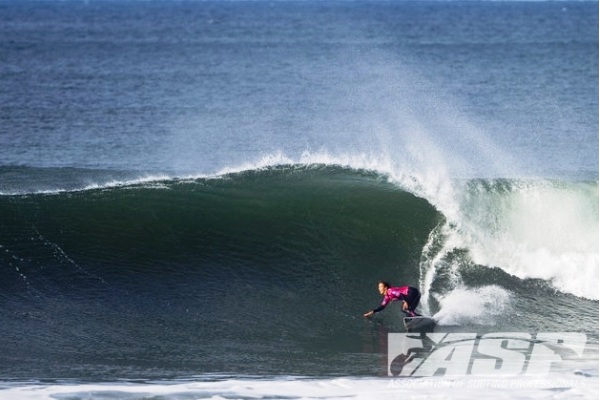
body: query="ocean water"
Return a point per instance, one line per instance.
(197, 199)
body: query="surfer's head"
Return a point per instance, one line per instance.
(383, 287)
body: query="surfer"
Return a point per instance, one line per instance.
(409, 296)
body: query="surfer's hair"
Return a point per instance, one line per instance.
(385, 283)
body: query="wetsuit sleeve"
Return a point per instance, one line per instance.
(385, 302)
(378, 309)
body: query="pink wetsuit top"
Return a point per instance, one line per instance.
(394, 294)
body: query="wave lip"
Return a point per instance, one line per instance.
(23, 180)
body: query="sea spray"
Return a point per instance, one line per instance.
(479, 306)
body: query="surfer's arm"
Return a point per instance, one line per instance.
(381, 307)
(376, 310)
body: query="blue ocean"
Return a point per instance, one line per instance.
(198, 198)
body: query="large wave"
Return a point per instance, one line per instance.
(287, 252)
(528, 228)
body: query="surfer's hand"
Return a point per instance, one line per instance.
(404, 305)
(369, 314)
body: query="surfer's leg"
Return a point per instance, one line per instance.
(413, 298)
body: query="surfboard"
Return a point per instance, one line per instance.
(415, 324)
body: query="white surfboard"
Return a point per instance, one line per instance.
(419, 323)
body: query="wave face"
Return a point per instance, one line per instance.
(269, 270)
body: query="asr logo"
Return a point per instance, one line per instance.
(496, 354)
